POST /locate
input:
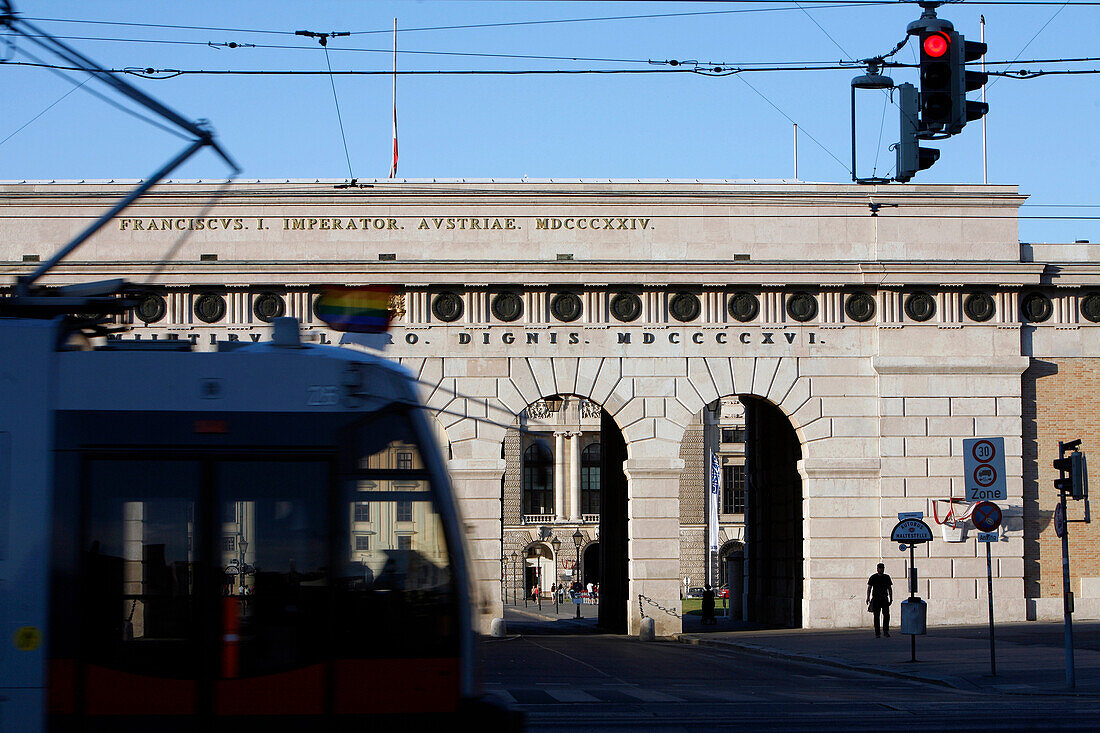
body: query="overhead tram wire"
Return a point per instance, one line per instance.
(1041, 29)
(530, 57)
(821, 4)
(473, 26)
(322, 38)
(152, 73)
(53, 104)
(58, 70)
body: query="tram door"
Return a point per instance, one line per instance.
(206, 587)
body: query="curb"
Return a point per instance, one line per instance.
(956, 683)
(815, 659)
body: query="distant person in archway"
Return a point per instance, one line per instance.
(880, 594)
(708, 605)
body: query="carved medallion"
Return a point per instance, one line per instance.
(268, 306)
(979, 306)
(507, 306)
(920, 306)
(1090, 307)
(1037, 308)
(744, 306)
(566, 307)
(626, 307)
(801, 306)
(684, 307)
(210, 307)
(151, 309)
(447, 307)
(860, 307)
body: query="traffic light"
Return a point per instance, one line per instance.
(910, 156)
(1074, 480)
(938, 98)
(963, 81)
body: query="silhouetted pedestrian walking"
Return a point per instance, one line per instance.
(880, 594)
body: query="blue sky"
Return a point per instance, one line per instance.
(661, 125)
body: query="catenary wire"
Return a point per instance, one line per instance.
(53, 104)
(471, 26)
(1036, 35)
(58, 70)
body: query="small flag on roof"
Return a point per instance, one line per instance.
(358, 309)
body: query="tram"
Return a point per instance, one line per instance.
(258, 537)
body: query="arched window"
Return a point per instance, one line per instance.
(590, 479)
(538, 480)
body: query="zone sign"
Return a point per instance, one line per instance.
(984, 469)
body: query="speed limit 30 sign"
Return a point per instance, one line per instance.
(984, 469)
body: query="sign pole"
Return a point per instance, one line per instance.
(987, 518)
(989, 577)
(912, 592)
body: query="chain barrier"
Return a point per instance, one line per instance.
(655, 604)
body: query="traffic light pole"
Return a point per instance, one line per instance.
(1067, 600)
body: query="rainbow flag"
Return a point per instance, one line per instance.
(358, 309)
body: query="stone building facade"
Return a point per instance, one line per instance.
(867, 330)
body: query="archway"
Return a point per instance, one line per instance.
(564, 488)
(732, 577)
(590, 564)
(741, 508)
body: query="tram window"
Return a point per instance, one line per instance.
(139, 566)
(275, 580)
(398, 454)
(395, 598)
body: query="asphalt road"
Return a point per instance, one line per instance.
(597, 682)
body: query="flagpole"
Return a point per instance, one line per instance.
(393, 165)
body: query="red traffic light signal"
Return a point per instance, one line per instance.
(936, 45)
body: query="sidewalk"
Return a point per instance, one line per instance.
(1030, 656)
(532, 619)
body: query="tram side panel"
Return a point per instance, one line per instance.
(238, 644)
(28, 374)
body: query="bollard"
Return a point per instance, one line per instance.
(648, 630)
(497, 629)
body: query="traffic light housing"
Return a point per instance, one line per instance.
(910, 156)
(1074, 480)
(963, 81)
(939, 55)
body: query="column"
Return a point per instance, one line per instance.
(575, 477)
(476, 482)
(559, 476)
(654, 535)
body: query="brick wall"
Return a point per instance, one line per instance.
(1061, 401)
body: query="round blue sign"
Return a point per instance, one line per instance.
(986, 516)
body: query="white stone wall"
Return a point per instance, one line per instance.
(881, 408)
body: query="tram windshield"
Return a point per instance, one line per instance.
(242, 563)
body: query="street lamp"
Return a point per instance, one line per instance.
(556, 544)
(578, 538)
(514, 556)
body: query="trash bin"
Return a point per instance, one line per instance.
(914, 616)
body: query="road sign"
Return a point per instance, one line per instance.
(911, 531)
(910, 515)
(986, 516)
(988, 537)
(1059, 520)
(984, 469)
